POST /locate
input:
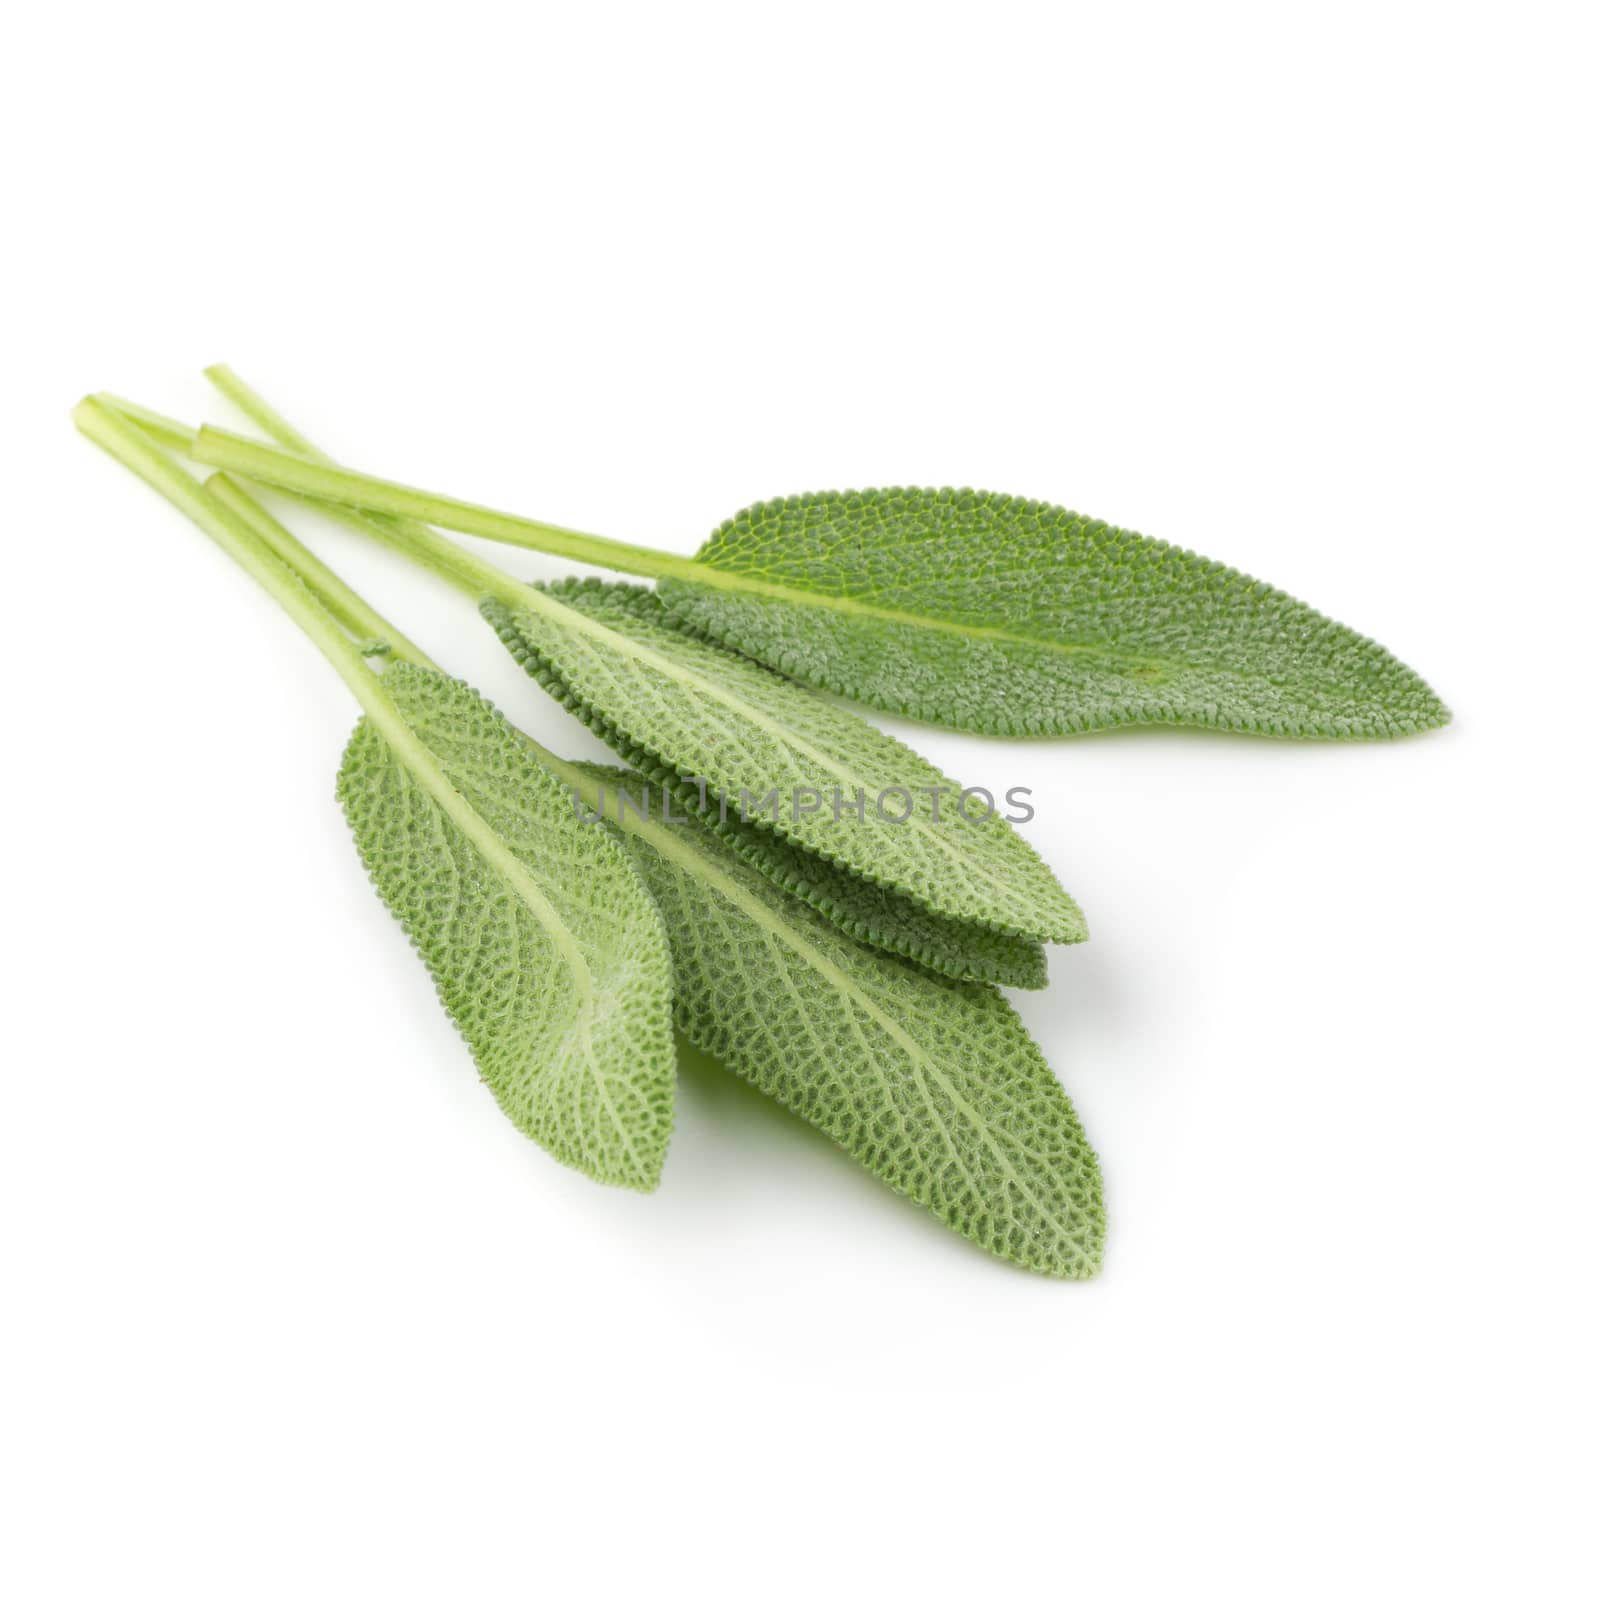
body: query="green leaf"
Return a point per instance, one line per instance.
(934, 1085)
(686, 706)
(546, 948)
(1008, 616)
(979, 611)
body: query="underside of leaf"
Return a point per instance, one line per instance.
(1007, 616)
(546, 948)
(682, 705)
(933, 1085)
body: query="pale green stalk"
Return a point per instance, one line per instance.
(411, 538)
(476, 578)
(321, 480)
(335, 594)
(355, 613)
(122, 438)
(163, 429)
(419, 543)
(117, 432)
(323, 584)
(347, 607)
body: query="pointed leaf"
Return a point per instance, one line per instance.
(1008, 616)
(546, 948)
(934, 1085)
(686, 705)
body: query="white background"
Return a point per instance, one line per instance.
(288, 1308)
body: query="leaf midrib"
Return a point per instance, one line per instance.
(822, 600)
(417, 759)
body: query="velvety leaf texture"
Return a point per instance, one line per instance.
(932, 1084)
(866, 911)
(673, 702)
(1007, 616)
(879, 916)
(546, 947)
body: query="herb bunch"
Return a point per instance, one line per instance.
(848, 970)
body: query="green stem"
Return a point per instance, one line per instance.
(273, 423)
(416, 540)
(347, 607)
(472, 575)
(412, 538)
(124, 439)
(337, 596)
(399, 533)
(105, 419)
(321, 480)
(163, 429)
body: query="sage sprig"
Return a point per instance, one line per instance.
(552, 966)
(544, 943)
(953, 887)
(977, 611)
(845, 968)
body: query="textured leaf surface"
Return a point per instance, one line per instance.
(1008, 616)
(673, 702)
(879, 916)
(547, 950)
(932, 1084)
(870, 912)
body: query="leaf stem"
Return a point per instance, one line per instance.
(163, 429)
(121, 437)
(321, 480)
(271, 422)
(416, 540)
(347, 607)
(403, 533)
(116, 433)
(411, 538)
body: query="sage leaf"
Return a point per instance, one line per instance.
(706, 715)
(933, 1085)
(546, 950)
(979, 611)
(1007, 616)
